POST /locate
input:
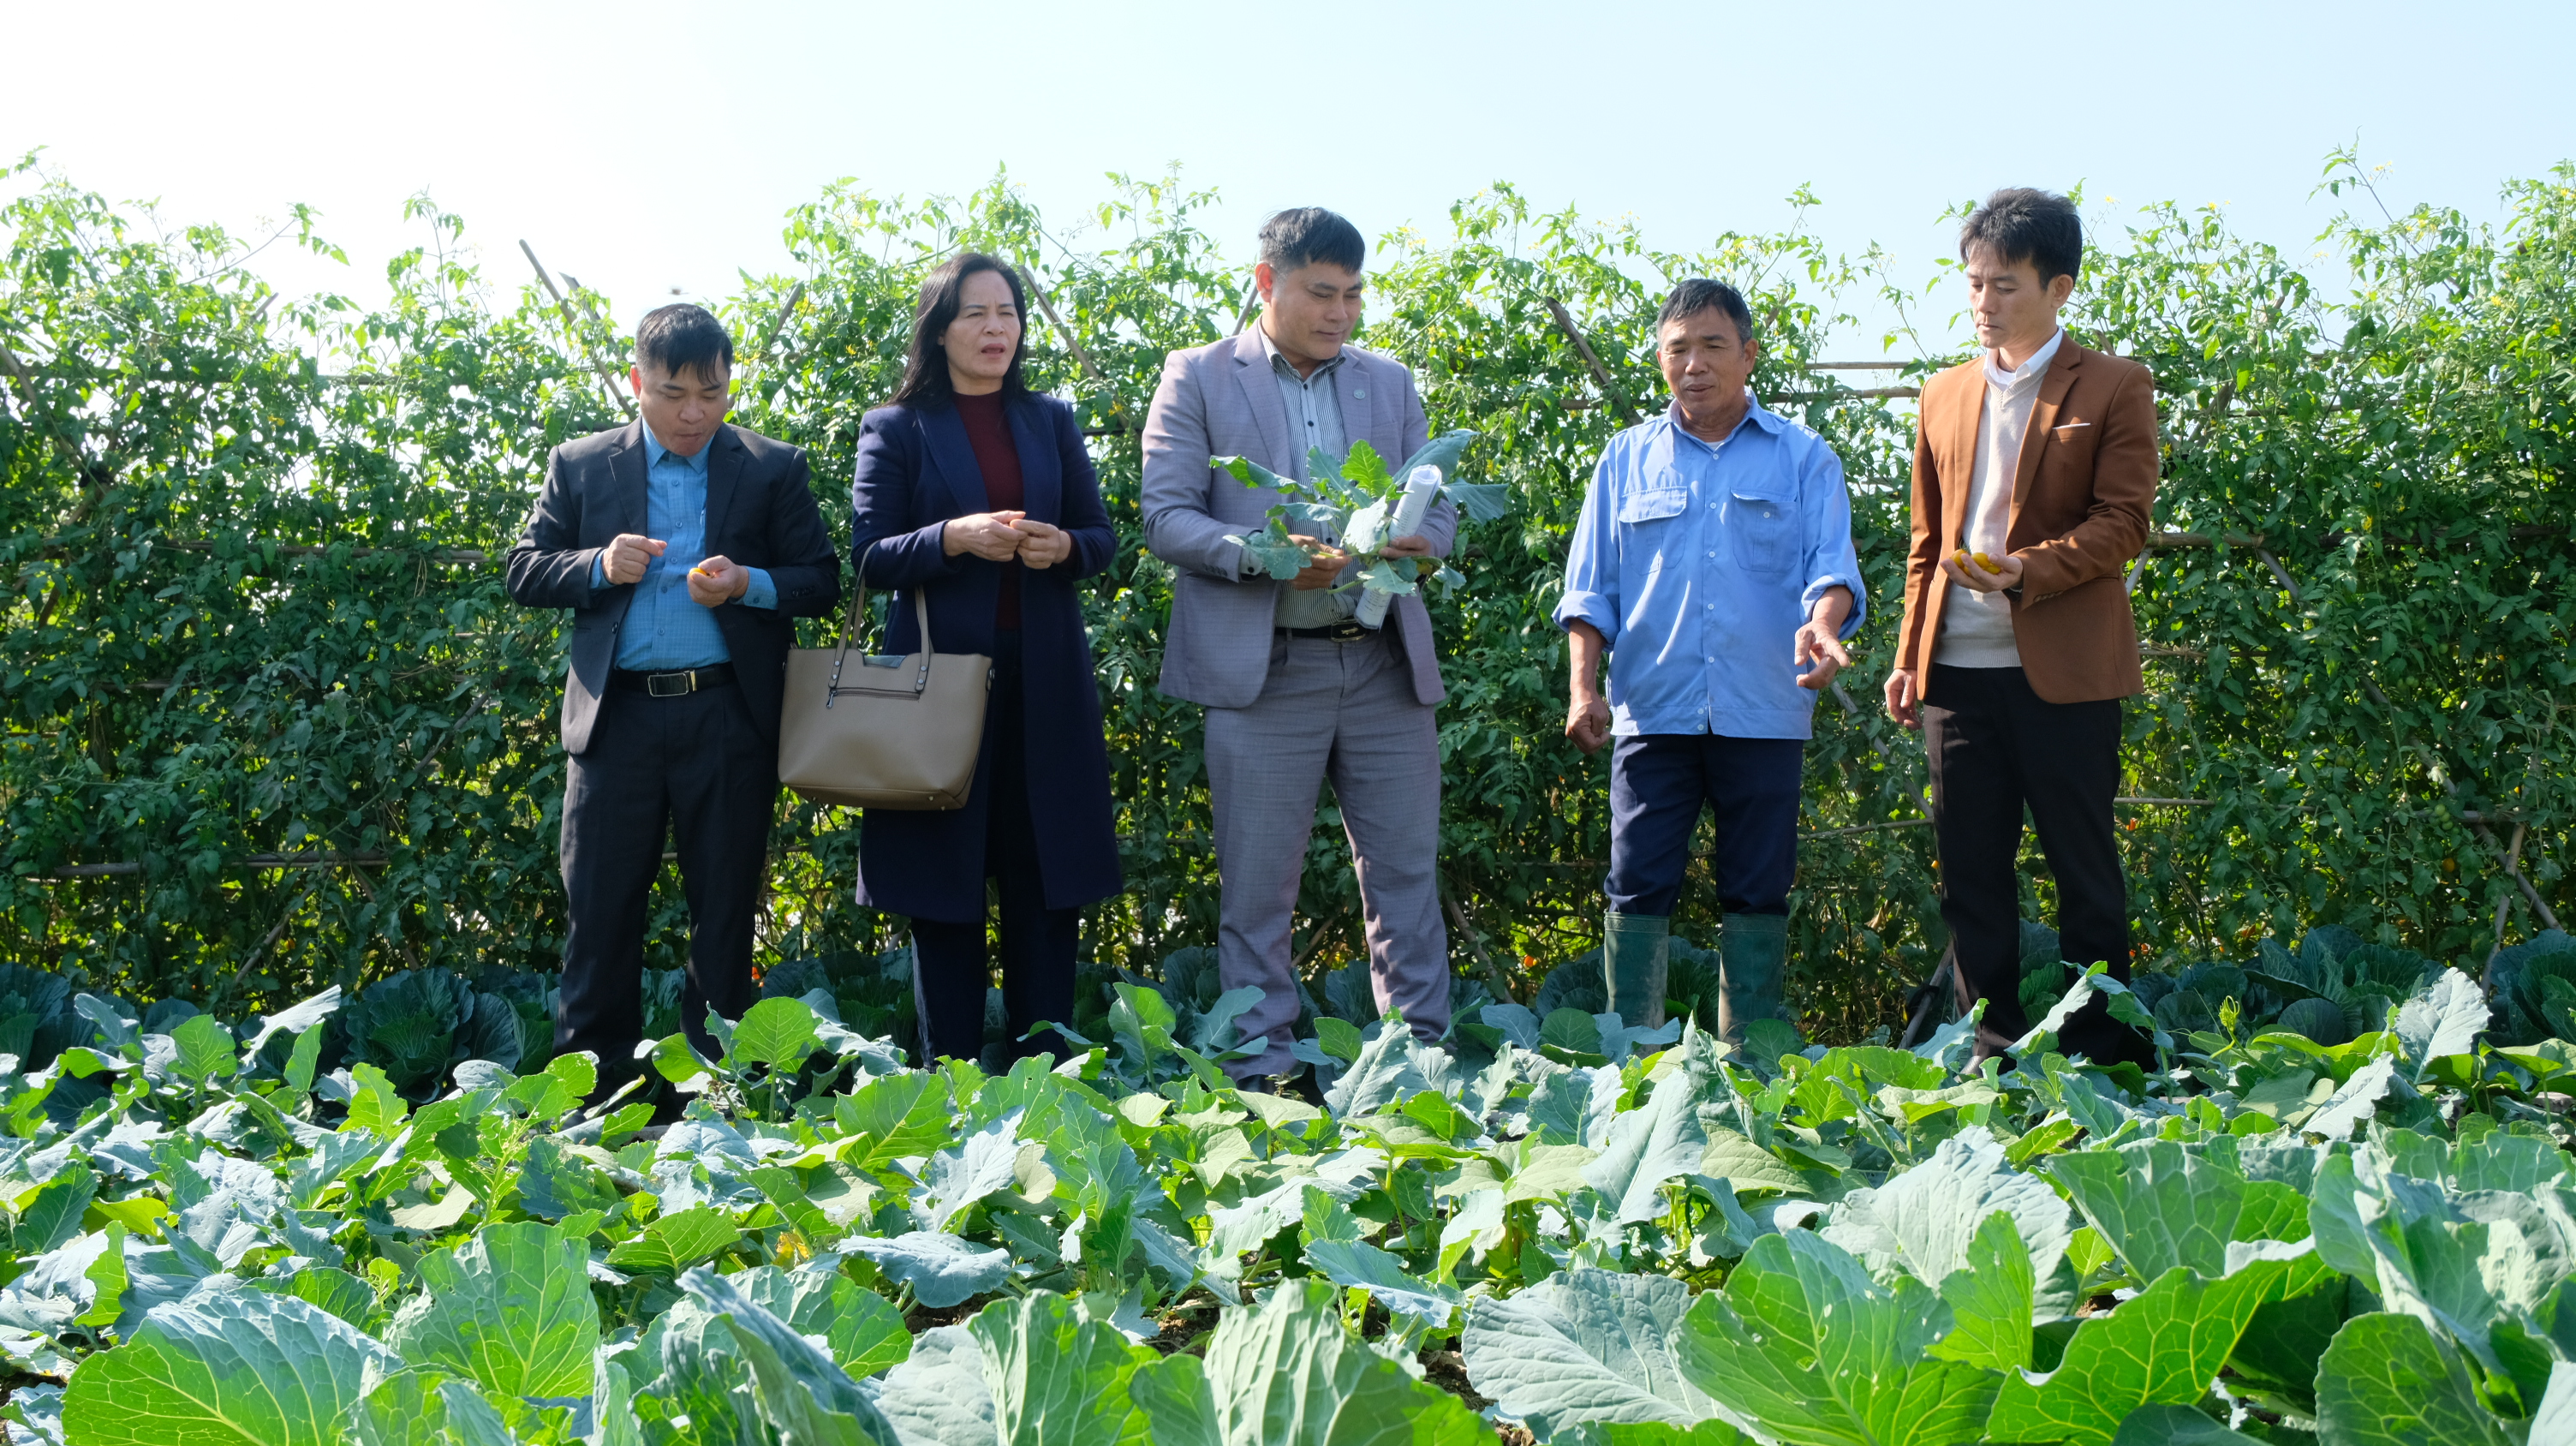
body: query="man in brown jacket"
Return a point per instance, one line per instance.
(2034, 479)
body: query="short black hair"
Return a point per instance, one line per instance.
(943, 294)
(1310, 234)
(683, 337)
(2023, 224)
(1700, 294)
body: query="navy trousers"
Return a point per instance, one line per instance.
(1658, 782)
(950, 970)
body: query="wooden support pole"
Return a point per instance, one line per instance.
(1251, 306)
(572, 334)
(1583, 349)
(796, 298)
(1495, 978)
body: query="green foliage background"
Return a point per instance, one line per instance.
(242, 617)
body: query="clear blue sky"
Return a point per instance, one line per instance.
(648, 147)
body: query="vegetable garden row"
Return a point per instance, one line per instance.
(381, 1220)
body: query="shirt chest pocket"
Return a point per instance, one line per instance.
(1762, 532)
(1653, 504)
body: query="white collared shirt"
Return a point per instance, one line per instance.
(1976, 627)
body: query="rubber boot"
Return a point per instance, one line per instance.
(1753, 954)
(1634, 951)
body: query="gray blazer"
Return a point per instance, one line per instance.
(1221, 400)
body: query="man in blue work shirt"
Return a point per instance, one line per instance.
(685, 548)
(1714, 561)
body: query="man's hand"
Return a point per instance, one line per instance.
(1818, 645)
(1587, 718)
(1904, 703)
(717, 581)
(1820, 641)
(627, 555)
(988, 535)
(1415, 546)
(1968, 571)
(1587, 722)
(1042, 544)
(1324, 562)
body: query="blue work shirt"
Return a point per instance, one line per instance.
(1699, 563)
(665, 629)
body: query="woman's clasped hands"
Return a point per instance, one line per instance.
(1001, 536)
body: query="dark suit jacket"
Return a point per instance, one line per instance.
(760, 513)
(917, 470)
(2082, 500)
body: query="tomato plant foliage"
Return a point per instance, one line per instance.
(272, 722)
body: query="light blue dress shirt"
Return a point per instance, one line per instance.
(665, 629)
(1699, 564)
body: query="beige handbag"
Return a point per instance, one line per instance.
(875, 731)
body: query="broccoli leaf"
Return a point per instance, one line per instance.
(1585, 1346)
(943, 1270)
(1364, 472)
(1286, 1373)
(1442, 452)
(2389, 1381)
(2162, 1346)
(1804, 1345)
(1481, 501)
(225, 1368)
(2158, 1204)
(511, 1309)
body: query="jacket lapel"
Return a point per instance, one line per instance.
(943, 435)
(724, 470)
(626, 475)
(1357, 398)
(1960, 439)
(1041, 478)
(2043, 416)
(1261, 393)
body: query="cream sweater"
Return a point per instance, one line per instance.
(1976, 627)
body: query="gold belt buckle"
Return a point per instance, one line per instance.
(1348, 630)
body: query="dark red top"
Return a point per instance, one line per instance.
(988, 431)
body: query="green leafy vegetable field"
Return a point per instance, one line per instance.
(351, 1222)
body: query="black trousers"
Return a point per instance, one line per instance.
(1996, 748)
(950, 970)
(693, 767)
(1658, 782)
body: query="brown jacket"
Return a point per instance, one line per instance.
(2081, 502)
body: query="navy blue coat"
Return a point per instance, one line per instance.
(916, 471)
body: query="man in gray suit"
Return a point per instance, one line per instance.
(1296, 689)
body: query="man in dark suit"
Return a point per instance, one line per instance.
(684, 548)
(2034, 480)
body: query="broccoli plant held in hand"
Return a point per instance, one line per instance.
(1360, 501)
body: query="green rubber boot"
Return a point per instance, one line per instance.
(1634, 950)
(1753, 954)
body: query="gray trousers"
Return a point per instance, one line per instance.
(1344, 711)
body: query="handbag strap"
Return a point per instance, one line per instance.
(850, 629)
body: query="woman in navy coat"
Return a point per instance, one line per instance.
(979, 492)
